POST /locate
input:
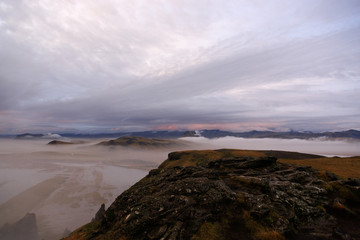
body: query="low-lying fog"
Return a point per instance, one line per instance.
(321, 146)
(64, 185)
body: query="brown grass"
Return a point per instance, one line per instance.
(210, 231)
(202, 157)
(258, 231)
(348, 167)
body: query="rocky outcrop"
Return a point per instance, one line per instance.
(99, 214)
(232, 198)
(25, 228)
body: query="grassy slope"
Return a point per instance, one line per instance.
(348, 167)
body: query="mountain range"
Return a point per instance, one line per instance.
(349, 134)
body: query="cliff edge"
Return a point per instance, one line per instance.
(249, 195)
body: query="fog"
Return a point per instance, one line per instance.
(64, 185)
(321, 146)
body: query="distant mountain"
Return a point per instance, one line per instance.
(354, 134)
(148, 134)
(190, 134)
(349, 134)
(38, 135)
(29, 135)
(141, 142)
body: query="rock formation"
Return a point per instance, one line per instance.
(24, 229)
(100, 214)
(231, 198)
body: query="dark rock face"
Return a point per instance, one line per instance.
(24, 229)
(100, 214)
(232, 198)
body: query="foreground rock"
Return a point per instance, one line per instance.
(231, 198)
(26, 228)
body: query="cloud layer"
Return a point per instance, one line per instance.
(135, 65)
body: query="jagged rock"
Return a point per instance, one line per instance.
(232, 198)
(24, 229)
(99, 214)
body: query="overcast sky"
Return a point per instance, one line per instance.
(119, 65)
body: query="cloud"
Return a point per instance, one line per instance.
(145, 64)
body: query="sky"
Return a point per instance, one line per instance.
(119, 65)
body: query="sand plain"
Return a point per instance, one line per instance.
(65, 185)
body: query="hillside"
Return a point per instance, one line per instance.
(141, 142)
(232, 194)
(58, 142)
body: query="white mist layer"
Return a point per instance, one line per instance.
(64, 185)
(313, 146)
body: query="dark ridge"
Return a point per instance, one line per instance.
(58, 142)
(29, 135)
(140, 142)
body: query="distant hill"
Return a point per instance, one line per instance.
(230, 194)
(351, 134)
(38, 135)
(58, 142)
(141, 142)
(146, 134)
(29, 135)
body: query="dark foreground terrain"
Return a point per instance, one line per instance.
(231, 194)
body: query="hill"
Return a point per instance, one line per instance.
(30, 135)
(141, 142)
(58, 142)
(232, 194)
